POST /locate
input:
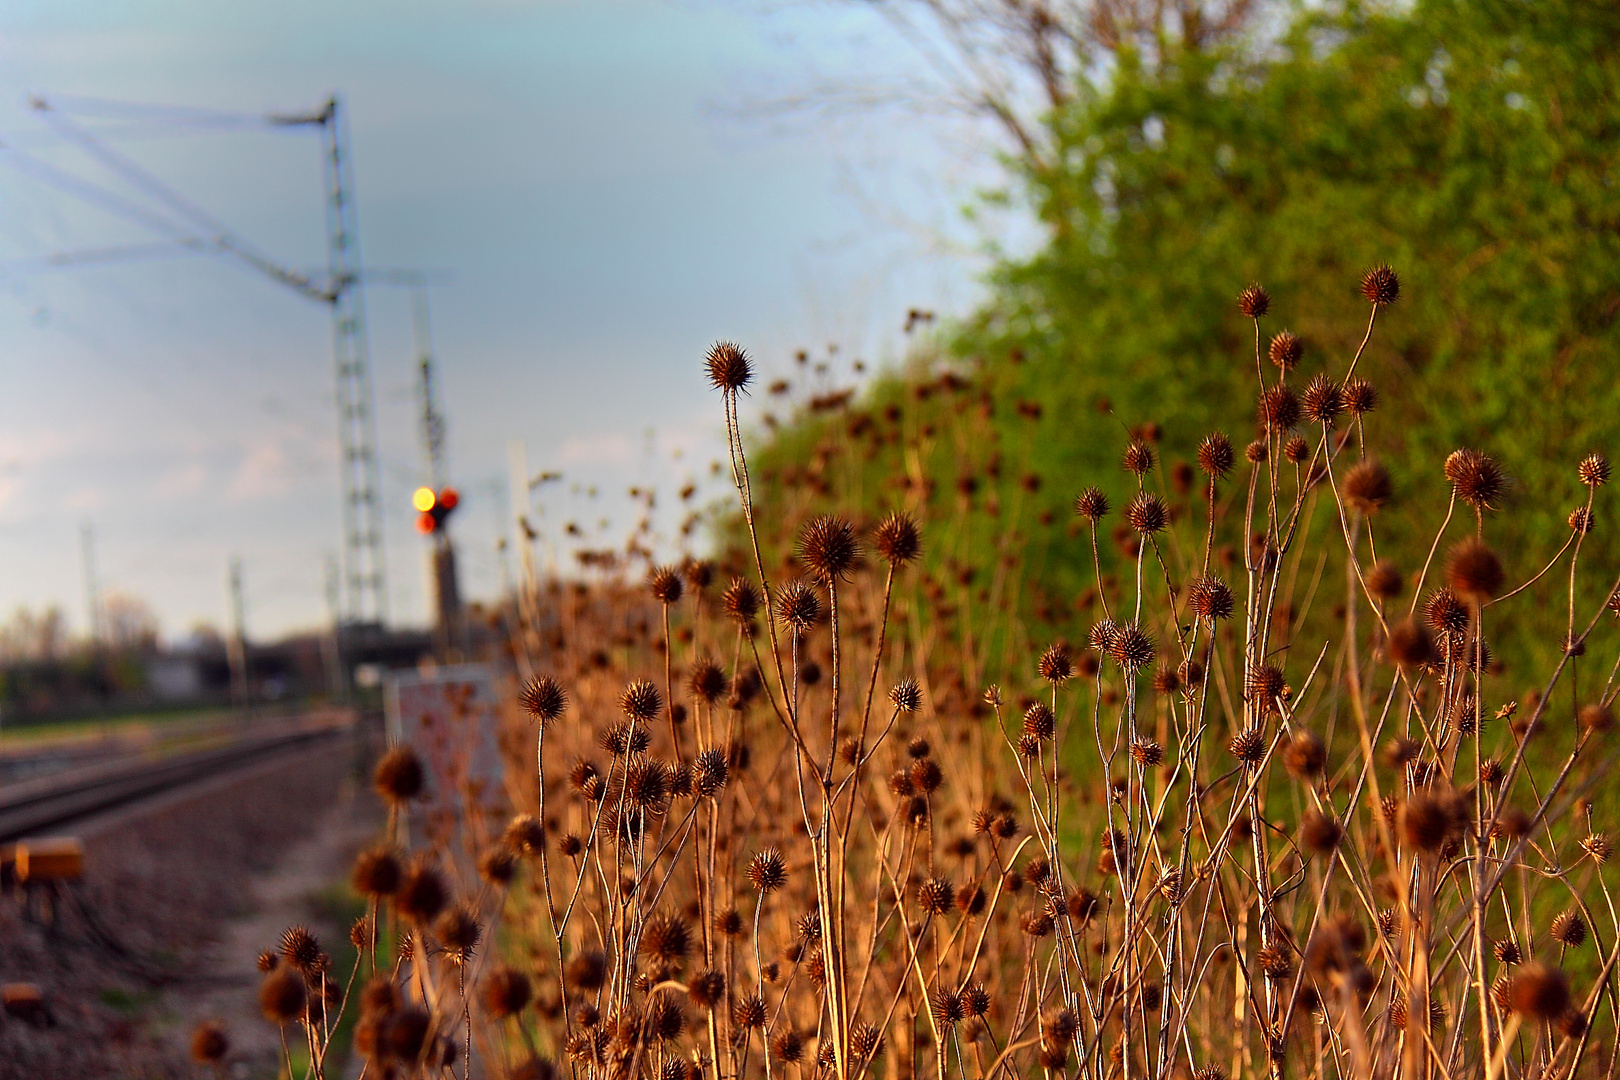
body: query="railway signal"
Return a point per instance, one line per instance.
(433, 507)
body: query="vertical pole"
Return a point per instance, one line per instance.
(331, 643)
(236, 647)
(365, 578)
(92, 584)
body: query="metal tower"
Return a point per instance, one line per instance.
(364, 572)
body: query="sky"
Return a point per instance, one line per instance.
(603, 187)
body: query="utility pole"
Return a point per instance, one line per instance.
(331, 644)
(445, 587)
(236, 646)
(92, 584)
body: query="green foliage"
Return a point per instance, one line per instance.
(1471, 144)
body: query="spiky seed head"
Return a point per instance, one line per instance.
(1474, 572)
(706, 989)
(283, 996)
(209, 1044)
(1323, 400)
(1582, 520)
(787, 1046)
(1102, 635)
(1256, 452)
(706, 681)
(1319, 833)
(740, 601)
(766, 871)
(1131, 648)
(1475, 478)
(970, 899)
(1360, 397)
(1305, 755)
(1427, 821)
(712, 771)
(1410, 644)
(1056, 665)
(699, 573)
(1285, 350)
(1385, 580)
(544, 699)
(1138, 458)
(749, 1012)
(301, 949)
(975, 1000)
(666, 937)
(906, 695)
(935, 896)
(399, 776)
(1598, 847)
(665, 584)
(1593, 470)
(641, 701)
(268, 960)
(422, 893)
(1092, 505)
(586, 970)
(1296, 450)
(1254, 302)
(459, 932)
(1248, 745)
(498, 865)
(927, 775)
(865, 1041)
(1147, 753)
(1367, 486)
(1507, 951)
(1569, 928)
(525, 835)
(1211, 599)
(1263, 684)
(1380, 286)
(1540, 991)
(1275, 962)
(946, 1006)
(897, 539)
(729, 368)
(829, 546)
(1215, 455)
(798, 607)
(1278, 410)
(1210, 1072)
(505, 992)
(1445, 612)
(1147, 513)
(376, 873)
(1166, 680)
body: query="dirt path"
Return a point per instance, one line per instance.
(300, 888)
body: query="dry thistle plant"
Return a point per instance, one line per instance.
(1219, 837)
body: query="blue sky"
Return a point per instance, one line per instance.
(600, 178)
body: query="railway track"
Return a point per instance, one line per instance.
(52, 803)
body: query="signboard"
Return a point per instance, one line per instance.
(450, 717)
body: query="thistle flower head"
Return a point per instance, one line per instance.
(906, 695)
(1360, 396)
(665, 584)
(1476, 478)
(399, 776)
(1138, 458)
(741, 601)
(706, 681)
(1381, 286)
(544, 699)
(1215, 455)
(1278, 409)
(897, 539)
(1211, 599)
(1056, 665)
(798, 607)
(1147, 513)
(829, 546)
(1092, 505)
(1593, 470)
(1474, 572)
(1323, 400)
(1285, 350)
(729, 367)
(1254, 302)
(641, 701)
(766, 871)
(505, 992)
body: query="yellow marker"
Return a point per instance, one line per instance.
(423, 499)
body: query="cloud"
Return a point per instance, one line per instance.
(179, 482)
(265, 471)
